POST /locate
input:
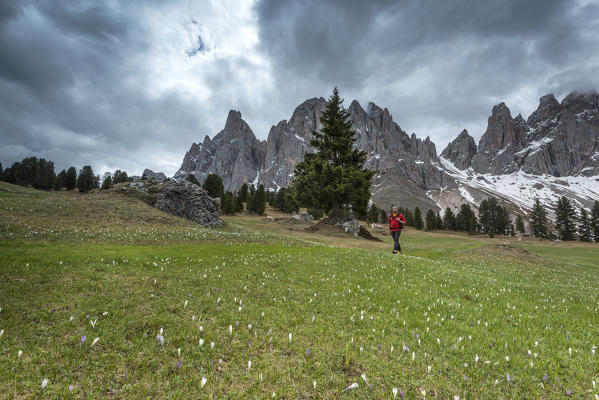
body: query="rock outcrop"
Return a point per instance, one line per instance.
(557, 139)
(157, 176)
(189, 201)
(461, 150)
(234, 154)
(288, 141)
(177, 197)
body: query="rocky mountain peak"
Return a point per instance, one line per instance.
(502, 139)
(547, 109)
(237, 127)
(461, 150)
(577, 102)
(501, 111)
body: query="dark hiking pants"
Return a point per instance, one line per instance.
(396, 245)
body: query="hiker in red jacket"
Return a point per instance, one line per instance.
(396, 224)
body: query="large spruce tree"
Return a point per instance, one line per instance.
(334, 178)
(565, 219)
(538, 220)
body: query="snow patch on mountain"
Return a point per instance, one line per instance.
(521, 188)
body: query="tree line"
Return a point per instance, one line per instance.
(233, 202)
(39, 174)
(493, 218)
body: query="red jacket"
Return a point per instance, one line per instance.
(396, 222)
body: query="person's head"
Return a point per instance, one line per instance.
(394, 209)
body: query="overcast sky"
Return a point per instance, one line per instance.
(130, 85)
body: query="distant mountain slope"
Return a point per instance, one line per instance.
(515, 159)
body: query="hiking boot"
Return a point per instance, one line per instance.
(394, 251)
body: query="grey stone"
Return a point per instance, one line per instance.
(303, 216)
(157, 176)
(187, 200)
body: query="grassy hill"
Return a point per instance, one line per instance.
(262, 309)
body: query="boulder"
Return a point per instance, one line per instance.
(187, 200)
(303, 216)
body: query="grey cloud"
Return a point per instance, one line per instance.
(73, 89)
(463, 57)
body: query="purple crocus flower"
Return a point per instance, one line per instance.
(568, 393)
(83, 339)
(545, 377)
(236, 324)
(401, 394)
(508, 377)
(178, 364)
(70, 388)
(160, 339)
(307, 352)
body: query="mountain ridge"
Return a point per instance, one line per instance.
(557, 140)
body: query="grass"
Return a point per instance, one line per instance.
(351, 308)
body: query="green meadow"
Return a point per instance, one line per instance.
(103, 296)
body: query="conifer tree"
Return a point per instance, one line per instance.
(334, 178)
(259, 201)
(520, 224)
(243, 192)
(409, 215)
(119, 176)
(538, 220)
(466, 219)
(70, 181)
(584, 226)
(439, 221)
(192, 178)
(418, 223)
(238, 203)
(107, 184)
(86, 180)
(214, 186)
(60, 180)
(449, 220)
(595, 221)
(565, 219)
(383, 216)
(431, 220)
(1, 171)
(373, 214)
(227, 203)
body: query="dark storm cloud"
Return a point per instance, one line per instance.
(430, 62)
(86, 82)
(72, 90)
